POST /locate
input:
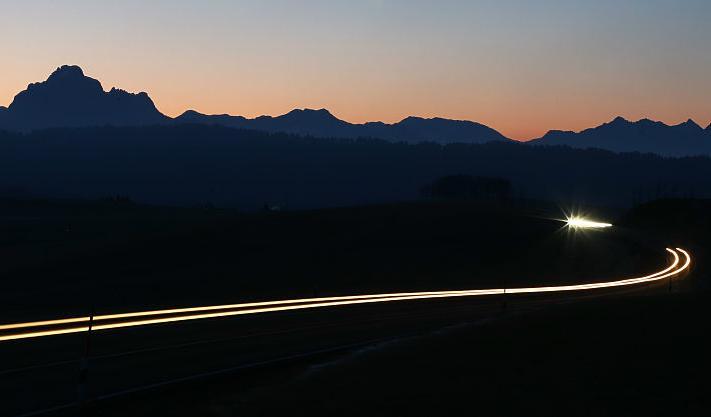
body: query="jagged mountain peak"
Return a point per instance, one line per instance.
(410, 119)
(691, 124)
(619, 120)
(311, 114)
(558, 133)
(69, 98)
(66, 71)
(322, 123)
(645, 135)
(306, 110)
(65, 80)
(416, 120)
(649, 122)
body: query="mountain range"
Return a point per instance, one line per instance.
(621, 135)
(68, 98)
(321, 123)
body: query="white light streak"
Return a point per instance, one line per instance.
(143, 318)
(582, 223)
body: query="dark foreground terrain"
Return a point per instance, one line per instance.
(631, 356)
(614, 353)
(67, 258)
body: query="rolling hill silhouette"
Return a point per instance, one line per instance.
(189, 165)
(621, 135)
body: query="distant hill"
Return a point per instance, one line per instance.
(70, 99)
(204, 165)
(321, 123)
(621, 135)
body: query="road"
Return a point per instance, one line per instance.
(40, 361)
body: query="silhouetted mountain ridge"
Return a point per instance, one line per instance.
(68, 98)
(198, 164)
(321, 123)
(645, 135)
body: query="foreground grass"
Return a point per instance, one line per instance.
(69, 259)
(644, 355)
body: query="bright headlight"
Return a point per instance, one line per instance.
(580, 222)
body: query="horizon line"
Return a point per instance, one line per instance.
(401, 118)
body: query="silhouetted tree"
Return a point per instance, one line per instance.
(189, 164)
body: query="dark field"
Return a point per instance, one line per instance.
(563, 355)
(63, 259)
(633, 356)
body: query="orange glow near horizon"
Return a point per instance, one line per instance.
(520, 67)
(519, 120)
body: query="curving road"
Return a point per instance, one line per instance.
(43, 376)
(26, 330)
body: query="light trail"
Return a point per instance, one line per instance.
(577, 222)
(195, 313)
(218, 307)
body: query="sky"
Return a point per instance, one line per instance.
(522, 67)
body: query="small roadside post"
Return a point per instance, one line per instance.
(84, 364)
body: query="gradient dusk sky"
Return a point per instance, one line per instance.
(520, 66)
